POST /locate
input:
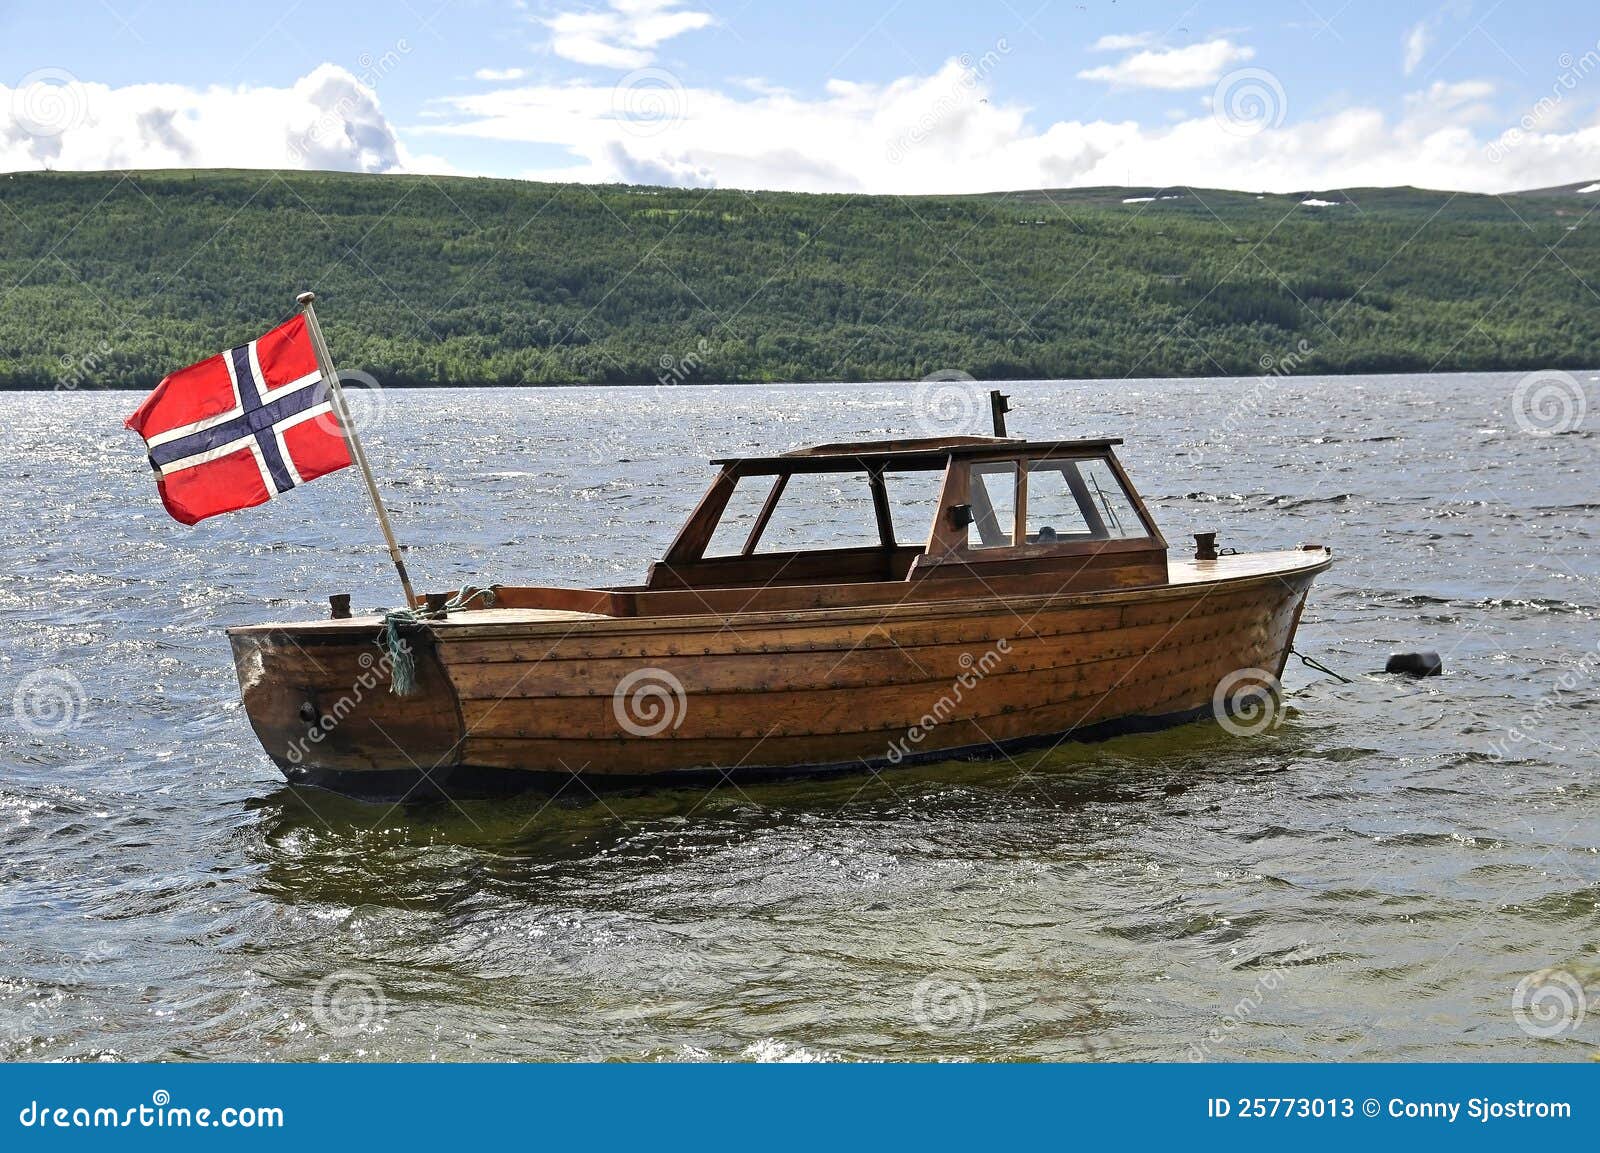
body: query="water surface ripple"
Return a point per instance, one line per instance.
(1369, 880)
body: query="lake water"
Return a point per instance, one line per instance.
(1370, 879)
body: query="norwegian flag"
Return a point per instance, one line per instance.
(241, 427)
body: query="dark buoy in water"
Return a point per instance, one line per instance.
(1415, 664)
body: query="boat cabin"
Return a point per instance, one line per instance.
(960, 507)
(857, 523)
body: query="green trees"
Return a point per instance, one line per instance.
(109, 280)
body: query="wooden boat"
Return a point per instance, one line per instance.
(1004, 594)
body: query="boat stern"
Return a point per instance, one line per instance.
(319, 697)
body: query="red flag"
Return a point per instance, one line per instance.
(241, 427)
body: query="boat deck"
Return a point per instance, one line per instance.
(1246, 564)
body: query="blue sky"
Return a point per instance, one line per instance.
(832, 95)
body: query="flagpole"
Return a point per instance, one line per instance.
(342, 411)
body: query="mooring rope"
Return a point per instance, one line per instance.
(1311, 662)
(402, 665)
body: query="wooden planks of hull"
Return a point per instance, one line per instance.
(924, 664)
(746, 706)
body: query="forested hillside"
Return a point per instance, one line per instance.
(110, 280)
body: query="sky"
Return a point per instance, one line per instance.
(875, 96)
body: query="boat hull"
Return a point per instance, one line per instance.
(517, 700)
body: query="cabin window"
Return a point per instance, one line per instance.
(913, 503)
(1054, 514)
(1072, 500)
(992, 495)
(1111, 500)
(739, 517)
(822, 510)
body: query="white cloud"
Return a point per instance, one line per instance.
(1416, 46)
(1443, 103)
(1121, 42)
(948, 132)
(940, 133)
(1194, 66)
(325, 120)
(625, 36)
(500, 74)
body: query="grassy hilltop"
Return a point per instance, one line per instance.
(110, 280)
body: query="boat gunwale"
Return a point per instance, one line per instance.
(458, 628)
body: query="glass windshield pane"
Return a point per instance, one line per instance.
(822, 510)
(993, 496)
(1053, 510)
(1078, 500)
(1110, 500)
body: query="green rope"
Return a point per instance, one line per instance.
(1320, 667)
(402, 665)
